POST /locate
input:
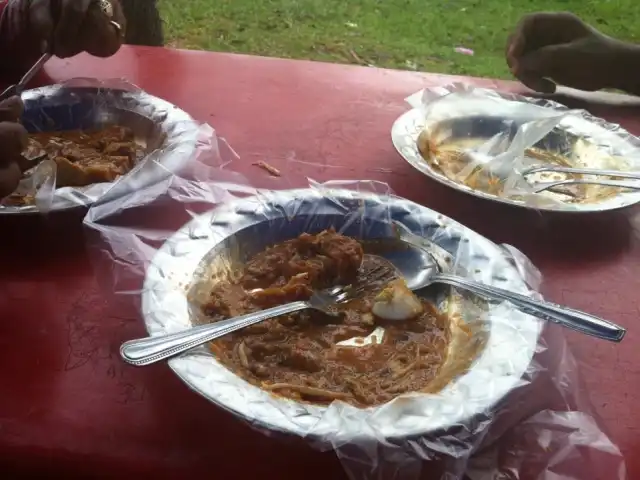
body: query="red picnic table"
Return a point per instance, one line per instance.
(70, 407)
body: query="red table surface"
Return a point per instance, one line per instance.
(69, 406)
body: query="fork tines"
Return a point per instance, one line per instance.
(377, 274)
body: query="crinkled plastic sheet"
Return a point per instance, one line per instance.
(483, 140)
(513, 379)
(168, 135)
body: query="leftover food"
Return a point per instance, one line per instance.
(82, 157)
(309, 356)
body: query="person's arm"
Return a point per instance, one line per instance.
(70, 27)
(557, 48)
(625, 71)
(19, 48)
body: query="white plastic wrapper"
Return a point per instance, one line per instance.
(507, 375)
(166, 134)
(484, 142)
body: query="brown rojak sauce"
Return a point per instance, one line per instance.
(82, 157)
(297, 356)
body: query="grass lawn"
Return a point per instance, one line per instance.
(405, 34)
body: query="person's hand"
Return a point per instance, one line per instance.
(550, 48)
(69, 27)
(13, 141)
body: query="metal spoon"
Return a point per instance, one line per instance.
(551, 312)
(420, 269)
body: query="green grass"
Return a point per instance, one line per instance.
(405, 34)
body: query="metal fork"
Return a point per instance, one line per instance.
(542, 186)
(148, 350)
(584, 171)
(19, 87)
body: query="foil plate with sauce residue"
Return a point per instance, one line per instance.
(166, 133)
(483, 149)
(492, 347)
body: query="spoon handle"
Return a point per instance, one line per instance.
(148, 350)
(567, 317)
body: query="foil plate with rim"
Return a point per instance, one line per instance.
(490, 356)
(166, 133)
(483, 140)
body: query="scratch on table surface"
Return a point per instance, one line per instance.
(92, 337)
(398, 107)
(131, 392)
(81, 336)
(291, 158)
(319, 165)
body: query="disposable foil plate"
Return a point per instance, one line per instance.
(498, 345)
(163, 131)
(579, 139)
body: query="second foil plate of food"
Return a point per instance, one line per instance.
(401, 362)
(83, 138)
(475, 150)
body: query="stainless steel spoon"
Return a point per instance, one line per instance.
(565, 316)
(423, 270)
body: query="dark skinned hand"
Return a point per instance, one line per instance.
(13, 140)
(558, 48)
(73, 26)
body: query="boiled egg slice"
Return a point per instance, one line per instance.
(397, 302)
